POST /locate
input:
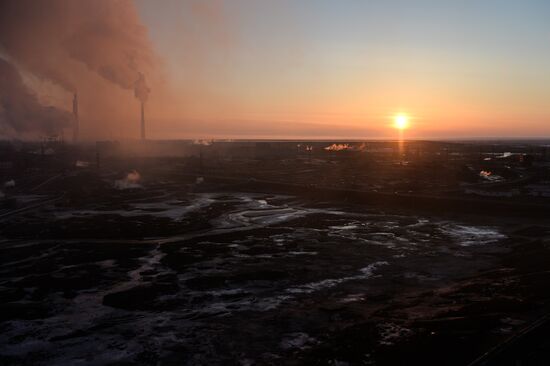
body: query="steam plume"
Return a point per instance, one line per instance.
(106, 35)
(141, 90)
(20, 111)
(64, 40)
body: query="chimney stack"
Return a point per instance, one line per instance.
(76, 126)
(142, 122)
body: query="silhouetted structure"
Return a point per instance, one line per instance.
(76, 126)
(142, 122)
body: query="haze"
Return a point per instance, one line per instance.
(315, 69)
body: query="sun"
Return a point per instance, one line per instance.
(401, 121)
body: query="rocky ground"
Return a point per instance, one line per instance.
(168, 274)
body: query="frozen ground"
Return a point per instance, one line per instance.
(231, 278)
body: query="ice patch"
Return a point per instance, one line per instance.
(28, 198)
(292, 253)
(297, 340)
(175, 210)
(267, 216)
(471, 235)
(254, 303)
(308, 288)
(390, 333)
(353, 298)
(251, 303)
(344, 227)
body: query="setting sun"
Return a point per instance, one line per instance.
(401, 121)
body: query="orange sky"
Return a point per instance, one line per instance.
(345, 68)
(330, 69)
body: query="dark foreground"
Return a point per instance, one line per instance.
(176, 273)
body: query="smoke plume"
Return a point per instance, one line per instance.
(130, 182)
(69, 43)
(141, 90)
(338, 147)
(20, 112)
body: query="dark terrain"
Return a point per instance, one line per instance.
(171, 270)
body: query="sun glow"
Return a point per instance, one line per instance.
(401, 121)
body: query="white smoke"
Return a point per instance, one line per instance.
(82, 164)
(337, 147)
(141, 90)
(202, 142)
(346, 147)
(130, 182)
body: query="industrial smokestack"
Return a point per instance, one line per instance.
(76, 126)
(142, 122)
(141, 91)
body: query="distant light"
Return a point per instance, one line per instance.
(401, 121)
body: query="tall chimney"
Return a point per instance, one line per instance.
(142, 122)
(76, 126)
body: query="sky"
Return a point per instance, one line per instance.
(458, 68)
(331, 69)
